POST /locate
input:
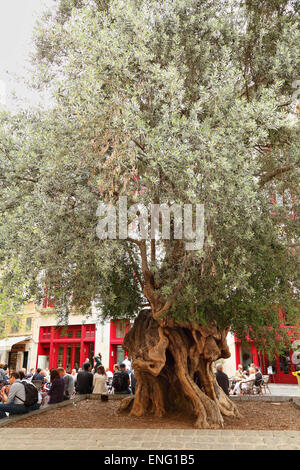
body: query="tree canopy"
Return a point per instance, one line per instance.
(175, 101)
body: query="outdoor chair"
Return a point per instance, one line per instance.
(250, 387)
(258, 388)
(38, 384)
(265, 383)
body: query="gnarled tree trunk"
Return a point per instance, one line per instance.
(173, 368)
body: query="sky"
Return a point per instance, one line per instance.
(17, 20)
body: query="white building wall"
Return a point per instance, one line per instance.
(229, 365)
(102, 341)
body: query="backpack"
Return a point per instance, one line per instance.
(31, 394)
(118, 382)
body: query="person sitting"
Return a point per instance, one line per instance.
(57, 388)
(29, 374)
(84, 383)
(87, 361)
(222, 379)
(13, 402)
(99, 381)
(2, 373)
(258, 378)
(121, 380)
(74, 376)
(239, 374)
(38, 375)
(68, 381)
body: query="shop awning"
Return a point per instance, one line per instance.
(7, 343)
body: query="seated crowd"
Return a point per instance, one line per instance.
(22, 391)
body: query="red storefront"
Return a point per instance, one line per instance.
(281, 366)
(118, 329)
(67, 346)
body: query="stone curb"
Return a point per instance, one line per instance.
(296, 402)
(94, 396)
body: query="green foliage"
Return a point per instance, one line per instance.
(196, 99)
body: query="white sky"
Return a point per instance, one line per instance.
(17, 20)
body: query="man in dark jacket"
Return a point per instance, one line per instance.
(222, 379)
(84, 383)
(121, 381)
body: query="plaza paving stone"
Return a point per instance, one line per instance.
(143, 439)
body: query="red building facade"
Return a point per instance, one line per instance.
(118, 330)
(67, 346)
(281, 366)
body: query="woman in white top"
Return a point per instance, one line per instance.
(99, 381)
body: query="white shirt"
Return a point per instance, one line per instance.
(127, 363)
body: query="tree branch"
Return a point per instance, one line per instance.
(268, 177)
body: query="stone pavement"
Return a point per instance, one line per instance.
(146, 439)
(284, 390)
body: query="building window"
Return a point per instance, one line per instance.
(60, 356)
(46, 333)
(70, 334)
(2, 327)
(78, 333)
(15, 326)
(63, 333)
(28, 324)
(89, 331)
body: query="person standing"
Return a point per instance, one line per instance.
(127, 363)
(68, 381)
(98, 361)
(222, 379)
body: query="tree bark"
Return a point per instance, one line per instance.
(173, 368)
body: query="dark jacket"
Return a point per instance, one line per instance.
(97, 362)
(38, 376)
(258, 379)
(56, 391)
(84, 382)
(223, 381)
(120, 381)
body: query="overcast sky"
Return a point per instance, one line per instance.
(17, 20)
